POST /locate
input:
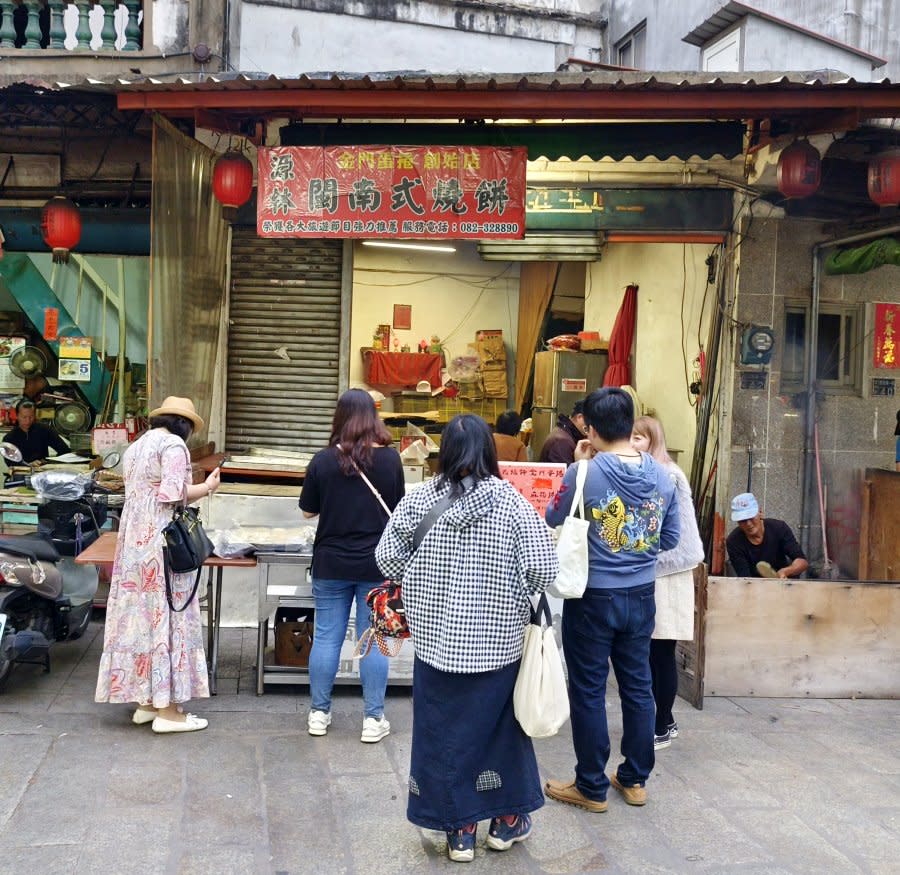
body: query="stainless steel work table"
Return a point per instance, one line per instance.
(296, 594)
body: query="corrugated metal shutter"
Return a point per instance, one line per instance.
(284, 294)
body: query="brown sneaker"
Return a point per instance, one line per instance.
(569, 793)
(636, 795)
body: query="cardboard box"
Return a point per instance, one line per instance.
(491, 351)
(494, 381)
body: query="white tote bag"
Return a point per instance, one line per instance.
(572, 546)
(540, 698)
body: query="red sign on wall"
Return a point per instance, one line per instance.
(450, 192)
(887, 324)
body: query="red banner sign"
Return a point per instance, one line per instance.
(391, 191)
(887, 324)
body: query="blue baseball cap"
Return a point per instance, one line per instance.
(744, 507)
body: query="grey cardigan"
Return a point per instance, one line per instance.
(689, 551)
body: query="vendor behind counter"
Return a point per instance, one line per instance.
(33, 439)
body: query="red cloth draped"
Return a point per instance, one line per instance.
(402, 370)
(621, 340)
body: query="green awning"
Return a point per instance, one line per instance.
(616, 140)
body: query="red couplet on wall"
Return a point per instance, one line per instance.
(450, 192)
(51, 323)
(887, 324)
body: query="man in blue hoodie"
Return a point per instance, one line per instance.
(630, 501)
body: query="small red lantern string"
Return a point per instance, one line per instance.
(60, 226)
(232, 183)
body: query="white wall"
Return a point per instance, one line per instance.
(289, 42)
(452, 295)
(667, 273)
(768, 46)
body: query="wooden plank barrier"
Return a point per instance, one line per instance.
(816, 638)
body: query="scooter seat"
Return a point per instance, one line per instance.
(34, 548)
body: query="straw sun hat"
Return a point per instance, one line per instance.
(175, 406)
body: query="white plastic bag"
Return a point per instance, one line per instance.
(572, 546)
(540, 698)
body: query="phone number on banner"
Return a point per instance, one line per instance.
(343, 227)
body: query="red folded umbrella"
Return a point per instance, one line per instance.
(621, 339)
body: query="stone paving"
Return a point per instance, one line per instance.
(750, 786)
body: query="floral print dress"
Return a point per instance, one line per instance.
(151, 656)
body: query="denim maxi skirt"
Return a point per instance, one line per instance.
(470, 758)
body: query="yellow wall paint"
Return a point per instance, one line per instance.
(665, 272)
(452, 295)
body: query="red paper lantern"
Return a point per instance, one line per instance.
(884, 179)
(232, 183)
(60, 226)
(799, 170)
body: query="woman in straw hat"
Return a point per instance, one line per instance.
(153, 656)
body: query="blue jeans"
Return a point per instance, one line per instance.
(610, 624)
(333, 599)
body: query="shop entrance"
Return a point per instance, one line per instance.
(283, 342)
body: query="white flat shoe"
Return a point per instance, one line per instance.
(189, 724)
(144, 715)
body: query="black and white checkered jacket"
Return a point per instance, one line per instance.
(466, 588)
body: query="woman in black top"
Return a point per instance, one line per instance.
(352, 485)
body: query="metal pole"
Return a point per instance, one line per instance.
(120, 395)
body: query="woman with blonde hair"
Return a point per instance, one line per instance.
(674, 584)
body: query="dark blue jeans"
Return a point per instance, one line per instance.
(604, 625)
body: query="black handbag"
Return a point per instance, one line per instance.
(186, 548)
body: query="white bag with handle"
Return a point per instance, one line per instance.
(572, 545)
(540, 698)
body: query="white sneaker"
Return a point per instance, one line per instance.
(374, 729)
(318, 722)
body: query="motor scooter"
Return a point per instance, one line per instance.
(44, 596)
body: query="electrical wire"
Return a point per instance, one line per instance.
(428, 277)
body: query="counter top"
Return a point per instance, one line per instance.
(208, 463)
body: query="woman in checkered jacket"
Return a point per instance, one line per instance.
(466, 590)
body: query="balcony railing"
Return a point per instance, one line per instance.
(105, 26)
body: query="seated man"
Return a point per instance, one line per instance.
(33, 439)
(762, 547)
(560, 443)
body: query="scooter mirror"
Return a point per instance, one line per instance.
(110, 460)
(10, 452)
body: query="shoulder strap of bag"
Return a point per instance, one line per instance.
(578, 498)
(368, 482)
(541, 611)
(167, 573)
(375, 492)
(437, 509)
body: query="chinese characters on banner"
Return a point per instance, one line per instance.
(887, 323)
(537, 482)
(391, 191)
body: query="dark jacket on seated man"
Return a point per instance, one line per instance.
(561, 442)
